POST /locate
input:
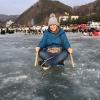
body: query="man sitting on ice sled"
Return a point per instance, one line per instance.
(54, 47)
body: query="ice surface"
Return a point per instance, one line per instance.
(20, 80)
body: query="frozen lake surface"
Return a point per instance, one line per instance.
(20, 80)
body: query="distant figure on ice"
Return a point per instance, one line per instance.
(95, 32)
(54, 47)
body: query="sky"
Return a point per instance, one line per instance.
(16, 7)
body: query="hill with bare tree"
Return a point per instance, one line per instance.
(39, 12)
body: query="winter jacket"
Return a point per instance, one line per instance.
(54, 40)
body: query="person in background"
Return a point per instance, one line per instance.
(54, 46)
(95, 32)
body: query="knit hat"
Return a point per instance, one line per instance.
(53, 20)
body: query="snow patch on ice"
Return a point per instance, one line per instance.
(11, 80)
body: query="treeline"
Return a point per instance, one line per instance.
(82, 19)
(88, 12)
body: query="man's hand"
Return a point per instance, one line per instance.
(37, 49)
(70, 50)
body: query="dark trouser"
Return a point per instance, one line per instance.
(52, 59)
